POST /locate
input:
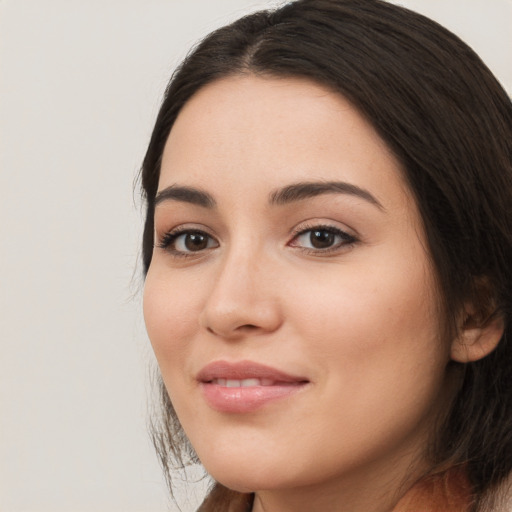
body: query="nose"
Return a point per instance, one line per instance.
(243, 300)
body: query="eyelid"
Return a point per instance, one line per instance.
(320, 223)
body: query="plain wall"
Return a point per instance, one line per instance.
(80, 85)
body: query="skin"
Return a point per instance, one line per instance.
(358, 319)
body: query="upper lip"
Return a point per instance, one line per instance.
(244, 370)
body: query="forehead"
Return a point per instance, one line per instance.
(257, 133)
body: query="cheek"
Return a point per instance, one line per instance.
(171, 317)
(383, 298)
(374, 329)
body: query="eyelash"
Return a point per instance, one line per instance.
(168, 240)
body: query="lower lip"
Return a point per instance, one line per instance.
(246, 399)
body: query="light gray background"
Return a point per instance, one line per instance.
(80, 85)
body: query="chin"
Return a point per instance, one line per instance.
(247, 480)
(246, 472)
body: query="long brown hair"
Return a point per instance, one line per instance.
(449, 122)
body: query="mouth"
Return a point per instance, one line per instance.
(247, 383)
(246, 386)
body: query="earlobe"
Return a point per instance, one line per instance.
(475, 342)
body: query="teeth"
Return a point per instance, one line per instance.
(249, 382)
(243, 383)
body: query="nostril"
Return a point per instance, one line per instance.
(239, 329)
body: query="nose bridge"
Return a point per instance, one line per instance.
(241, 266)
(241, 297)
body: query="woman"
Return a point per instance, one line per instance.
(327, 253)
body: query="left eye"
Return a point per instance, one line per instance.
(188, 242)
(193, 241)
(322, 238)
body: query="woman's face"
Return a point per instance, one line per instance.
(290, 301)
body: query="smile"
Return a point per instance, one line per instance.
(246, 386)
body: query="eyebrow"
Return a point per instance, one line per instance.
(186, 194)
(304, 190)
(289, 194)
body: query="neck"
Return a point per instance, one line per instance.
(447, 492)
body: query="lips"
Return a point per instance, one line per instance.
(246, 386)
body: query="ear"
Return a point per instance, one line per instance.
(477, 338)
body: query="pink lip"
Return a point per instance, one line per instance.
(245, 399)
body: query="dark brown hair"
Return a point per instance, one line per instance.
(449, 123)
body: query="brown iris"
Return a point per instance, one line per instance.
(196, 241)
(321, 239)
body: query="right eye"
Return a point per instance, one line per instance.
(187, 242)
